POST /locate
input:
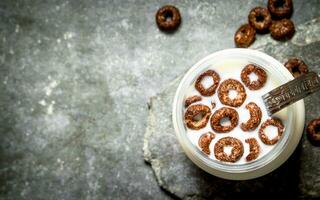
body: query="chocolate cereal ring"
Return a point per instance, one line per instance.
(260, 19)
(254, 149)
(197, 116)
(313, 131)
(223, 93)
(212, 89)
(257, 84)
(168, 18)
(191, 100)
(236, 152)
(296, 67)
(274, 122)
(245, 36)
(282, 30)
(280, 8)
(255, 117)
(204, 142)
(221, 113)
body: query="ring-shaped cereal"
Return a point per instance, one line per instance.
(210, 90)
(280, 8)
(204, 142)
(245, 36)
(236, 152)
(260, 19)
(296, 67)
(282, 30)
(313, 131)
(223, 93)
(255, 117)
(254, 149)
(168, 18)
(256, 84)
(191, 100)
(273, 122)
(221, 113)
(197, 116)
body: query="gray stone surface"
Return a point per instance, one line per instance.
(76, 76)
(177, 174)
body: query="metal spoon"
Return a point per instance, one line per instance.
(291, 92)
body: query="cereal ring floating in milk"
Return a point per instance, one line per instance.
(255, 117)
(224, 89)
(210, 90)
(271, 122)
(256, 84)
(254, 149)
(191, 100)
(205, 140)
(221, 113)
(236, 152)
(197, 116)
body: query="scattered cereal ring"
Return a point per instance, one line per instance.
(260, 19)
(212, 89)
(296, 67)
(245, 36)
(283, 29)
(255, 117)
(204, 142)
(257, 84)
(168, 18)
(191, 100)
(220, 114)
(313, 131)
(280, 8)
(274, 122)
(236, 152)
(223, 93)
(197, 116)
(254, 149)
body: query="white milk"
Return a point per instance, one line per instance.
(232, 69)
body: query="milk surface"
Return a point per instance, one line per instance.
(232, 69)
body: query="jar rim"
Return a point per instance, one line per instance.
(267, 163)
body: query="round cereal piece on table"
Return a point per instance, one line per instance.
(296, 67)
(245, 36)
(236, 152)
(197, 116)
(255, 117)
(280, 8)
(256, 84)
(260, 19)
(313, 131)
(191, 100)
(282, 29)
(204, 142)
(221, 113)
(168, 18)
(271, 122)
(210, 90)
(224, 89)
(254, 149)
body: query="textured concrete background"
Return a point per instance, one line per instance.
(76, 77)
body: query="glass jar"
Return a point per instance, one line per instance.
(281, 151)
